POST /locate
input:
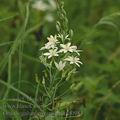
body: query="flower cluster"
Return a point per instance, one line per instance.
(62, 53)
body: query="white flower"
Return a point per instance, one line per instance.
(40, 5)
(52, 41)
(60, 66)
(74, 49)
(74, 60)
(51, 53)
(68, 48)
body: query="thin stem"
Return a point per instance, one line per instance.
(20, 65)
(46, 91)
(36, 96)
(9, 77)
(63, 94)
(6, 43)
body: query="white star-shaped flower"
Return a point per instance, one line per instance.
(68, 48)
(51, 53)
(74, 60)
(60, 66)
(52, 41)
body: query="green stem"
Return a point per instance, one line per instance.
(9, 77)
(36, 96)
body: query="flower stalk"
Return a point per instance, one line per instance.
(60, 59)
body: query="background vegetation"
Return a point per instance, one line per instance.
(96, 25)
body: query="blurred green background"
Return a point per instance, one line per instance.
(96, 26)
